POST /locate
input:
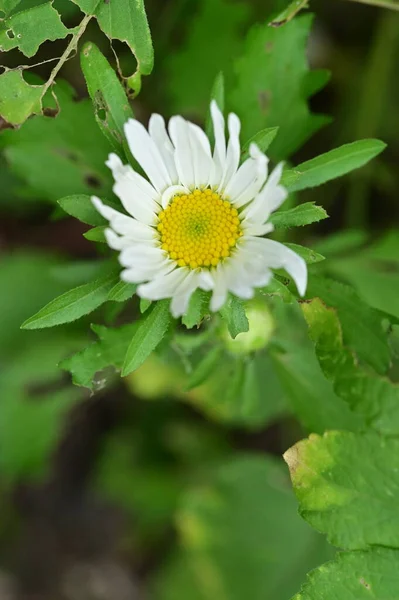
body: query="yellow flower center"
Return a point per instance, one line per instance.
(199, 229)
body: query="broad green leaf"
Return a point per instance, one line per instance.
(96, 234)
(111, 106)
(149, 333)
(122, 291)
(331, 165)
(109, 350)
(125, 21)
(361, 325)
(243, 519)
(304, 214)
(204, 369)
(73, 304)
(289, 13)
(206, 50)
(197, 309)
(343, 478)
(80, 206)
(263, 98)
(360, 575)
(18, 99)
(309, 255)
(262, 139)
(233, 312)
(375, 398)
(144, 304)
(74, 156)
(217, 94)
(277, 288)
(28, 29)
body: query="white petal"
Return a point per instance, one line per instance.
(115, 242)
(123, 224)
(139, 274)
(219, 295)
(147, 154)
(172, 191)
(205, 280)
(268, 200)
(192, 153)
(115, 164)
(160, 136)
(139, 254)
(233, 151)
(278, 256)
(245, 185)
(219, 154)
(163, 286)
(182, 295)
(249, 228)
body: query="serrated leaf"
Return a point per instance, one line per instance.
(29, 28)
(18, 99)
(109, 350)
(206, 60)
(125, 21)
(111, 106)
(361, 325)
(73, 304)
(233, 312)
(343, 478)
(149, 333)
(122, 291)
(262, 139)
(309, 255)
(331, 165)
(375, 398)
(360, 575)
(81, 207)
(97, 234)
(304, 214)
(264, 98)
(197, 309)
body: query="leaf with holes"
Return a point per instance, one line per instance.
(111, 106)
(18, 99)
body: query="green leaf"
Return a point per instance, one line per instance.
(309, 255)
(150, 332)
(243, 519)
(96, 234)
(111, 106)
(205, 368)
(206, 60)
(28, 29)
(343, 478)
(18, 99)
(361, 325)
(197, 309)
(80, 206)
(73, 155)
(233, 312)
(375, 398)
(289, 13)
(125, 21)
(217, 94)
(264, 98)
(122, 291)
(144, 304)
(304, 214)
(360, 575)
(110, 350)
(331, 165)
(73, 304)
(262, 139)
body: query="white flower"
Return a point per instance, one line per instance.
(198, 221)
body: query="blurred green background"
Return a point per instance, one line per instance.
(141, 489)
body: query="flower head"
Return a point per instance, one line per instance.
(198, 221)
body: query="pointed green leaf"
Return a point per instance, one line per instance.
(96, 234)
(122, 291)
(73, 304)
(197, 309)
(149, 333)
(331, 165)
(233, 312)
(304, 214)
(309, 255)
(262, 139)
(289, 13)
(80, 206)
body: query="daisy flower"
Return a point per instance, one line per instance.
(199, 219)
